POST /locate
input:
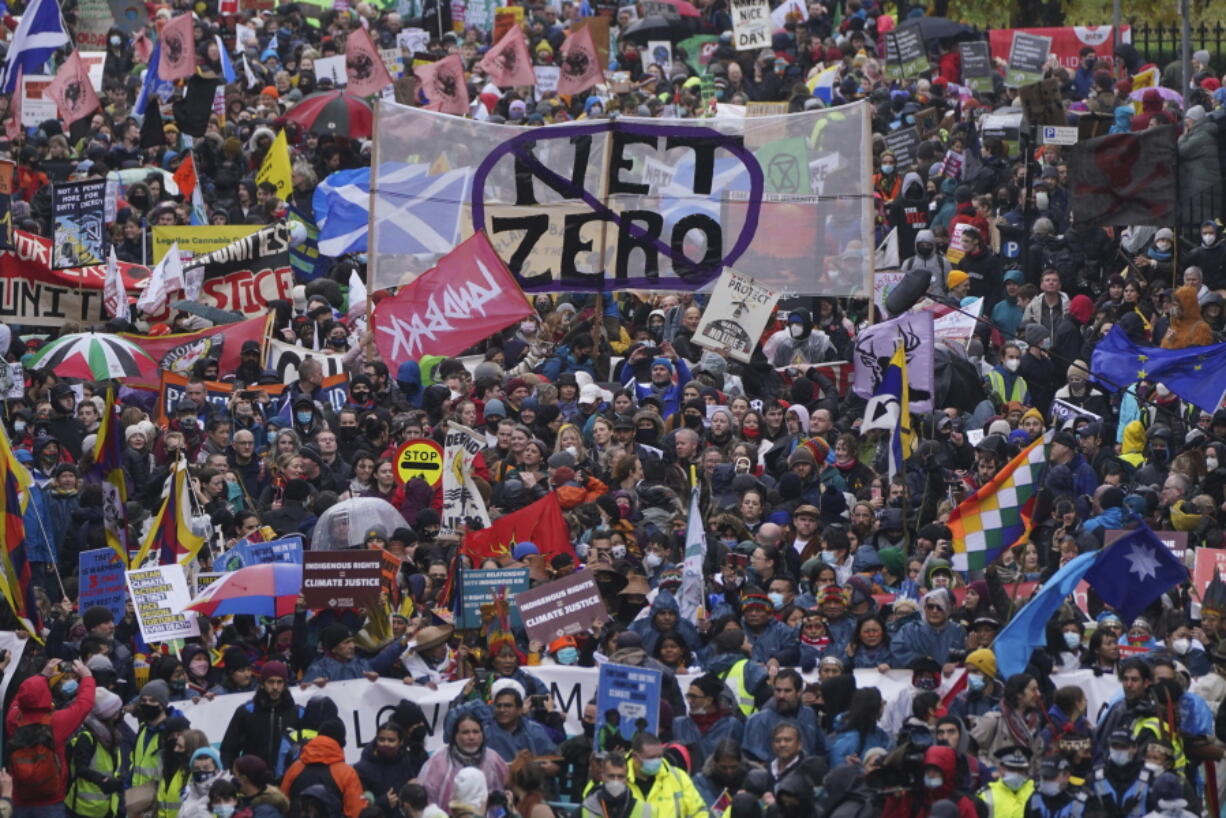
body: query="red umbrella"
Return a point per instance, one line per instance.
(260, 590)
(685, 9)
(331, 113)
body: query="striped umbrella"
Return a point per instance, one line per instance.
(94, 356)
(329, 113)
(260, 590)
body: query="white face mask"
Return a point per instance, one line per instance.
(1040, 200)
(1180, 645)
(796, 330)
(1049, 788)
(1012, 364)
(1119, 757)
(1164, 246)
(652, 560)
(1208, 239)
(1210, 463)
(1072, 639)
(615, 788)
(618, 551)
(1014, 781)
(933, 782)
(1156, 769)
(1162, 390)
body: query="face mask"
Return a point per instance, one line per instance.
(924, 250)
(568, 656)
(618, 552)
(1077, 387)
(179, 686)
(934, 782)
(116, 42)
(926, 683)
(69, 688)
(339, 343)
(796, 330)
(692, 422)
(1180, 645)
(652, 560)
(1210, 463)
(581, 549)
(647, 436)
(1014, 781)
(1158, 456)
(616, 788)
(527, 328)
(1119, 757)
(1072, 639)
(1012, 364)
(1049, 788)
(1208, 239)
(887, 169)
(148, 712)
(829, 557)
(1040, 200)
(224, 810)
(303, 417)
(188, 424)
(975, 681)
(1164, 246)
(650, 766)
(1154, 768)
(776, 599)
(589, 728)
(200, 776)
(272, 436)
(1162, 390)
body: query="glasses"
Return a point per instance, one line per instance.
(933, 608)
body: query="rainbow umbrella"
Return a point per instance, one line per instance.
(260, 590)
(94, 356)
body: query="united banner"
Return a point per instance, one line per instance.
(77, 209)
(35, 294)
(1123, 179)
(785, 200)
(178, 353)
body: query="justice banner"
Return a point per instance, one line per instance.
(246, 274)
(179, 352)
(786, 200)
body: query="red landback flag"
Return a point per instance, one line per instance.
(443, 84)
(367, 73)
(178, 56)
(185, 176)
(71, 90)
(508, 63)
(580, 64)
(541, 523)
(470, 294)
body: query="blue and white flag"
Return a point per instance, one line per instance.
(39, 34)
(154, 87)
(227, 65)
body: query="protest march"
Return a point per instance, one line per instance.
(611, 409)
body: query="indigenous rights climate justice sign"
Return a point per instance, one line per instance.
(572, 207)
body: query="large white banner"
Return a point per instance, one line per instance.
(364, 705)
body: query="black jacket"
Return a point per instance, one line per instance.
(261, 729)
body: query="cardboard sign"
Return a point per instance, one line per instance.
(567, 605)
(480, 587)
(102, 581)
(546, 79)
(419, 457)
(78, 208)
(159, 596)
(413, 40)
(977, 73)
(341, 579)
(627, 702)
(1041, 104)
(286, 549)
(660, 52)
(751, 24)
(1027, 58)
(905, 53)
(739, 310)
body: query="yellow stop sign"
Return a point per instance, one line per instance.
(419, 457)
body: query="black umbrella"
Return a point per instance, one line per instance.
(939, 28)
(656, 27)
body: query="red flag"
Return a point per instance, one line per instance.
(580, 63)
(541, 523)
(367, 73)
(470, 295)
(443, 84)
(185, 176)
(71, 90)
(178, 55)
(141, 47)
(178, 353)
(509, 63)
(12, 128)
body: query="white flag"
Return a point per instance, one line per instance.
(357, 295)
(167, 277)
(113, 294)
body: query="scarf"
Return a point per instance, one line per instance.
(705, 721)
(820, 642)
(463, 759)
(1020, 726)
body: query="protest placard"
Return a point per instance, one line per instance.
(1208, 560)
(286, 549)
(546, 79)
(206, 578)
(627, 702)
(480, 587)
(906, 55)
(566, 605)
(736, 315)
(101, 581)
(463, 505)
(197, 239)
(904, 144)
(78, 211)
(333, 67)
(390, 568)
(36, 106)
(1027, 58)
(341, 579)
(159, 596)
(977, 71)
(751, 24)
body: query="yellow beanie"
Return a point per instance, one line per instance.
(955, 278)
(982, 660)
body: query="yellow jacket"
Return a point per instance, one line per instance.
(672, 795)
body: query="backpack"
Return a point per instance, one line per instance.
(38, 773)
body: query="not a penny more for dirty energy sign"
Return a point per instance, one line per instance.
(341, 579)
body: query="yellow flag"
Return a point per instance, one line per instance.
(276, 167)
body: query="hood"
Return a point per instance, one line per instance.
(945, 759)
(665, 601)
(913, 187)
(964, 734)
(1123, 116)
(801, 413)
(1188, 305)
(318, 710)
(1151, 101)
(325, 796)
(1134, 438)
(805, 319)
(322, 750)
(470, 789)
(1082, 308)
(34, 696)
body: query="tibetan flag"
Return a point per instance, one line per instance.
(276, 167)
(885, 411)
(109, 468)
(998, 516)
(541, 523)
(15, 576)
(171, 534)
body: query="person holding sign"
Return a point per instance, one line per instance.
(507, 728)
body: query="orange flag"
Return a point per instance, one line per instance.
(185, 176)
(367, 73)
(508, 63)
(580, 63)
(443, 84)
(71, 90)
(178, 58)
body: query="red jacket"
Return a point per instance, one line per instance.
(33, 704)
(919, 805)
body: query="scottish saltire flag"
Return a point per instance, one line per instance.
(1027, 629)
(342, 210)
(171, 534)
(304, 257)
(1133, 571)
(39, 34)
(227, 65)
(154, 87)
(1196, 374)
(885, 411)
(998, 516)
(690, 598)
(822, 84)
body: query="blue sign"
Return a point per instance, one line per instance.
(627, 703)
(102, 581)
(286, 549)
(478, 588)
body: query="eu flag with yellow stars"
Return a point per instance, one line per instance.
(1196, 374)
